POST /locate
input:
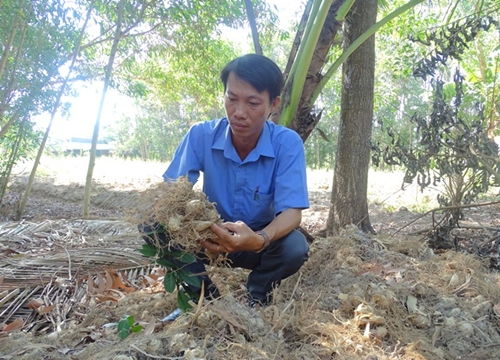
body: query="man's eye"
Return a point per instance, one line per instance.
(254, 104)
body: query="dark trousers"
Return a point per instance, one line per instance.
(281, 259)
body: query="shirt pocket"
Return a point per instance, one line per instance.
(263, 207)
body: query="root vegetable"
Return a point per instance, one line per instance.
(174, 223)
(201, 225)
(194, 207)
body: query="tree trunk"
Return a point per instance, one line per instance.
(253, 26)
(9, 165)
(349, 192)
(31, 180)
(95, 135)
(5, 97)
(304, 120)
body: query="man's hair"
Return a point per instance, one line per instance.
(261, 72)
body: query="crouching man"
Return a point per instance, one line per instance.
(254, 171)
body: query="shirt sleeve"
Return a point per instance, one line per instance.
(186, 160)
(291, 179)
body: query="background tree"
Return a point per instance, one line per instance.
(306, 81)
(36, 38)
(451, 144)
(57, 103)
(119, 32)
(350, 182)
(174, 81)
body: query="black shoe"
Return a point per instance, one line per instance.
(254, 302)
(211, 292)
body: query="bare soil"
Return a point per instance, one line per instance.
(389, 295)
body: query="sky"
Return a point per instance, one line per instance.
(83, 112)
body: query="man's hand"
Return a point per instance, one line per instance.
(236, 237)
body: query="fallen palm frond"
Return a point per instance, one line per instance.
(46, 269)
(23, 272)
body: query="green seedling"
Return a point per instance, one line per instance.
(126, 326)
(177, 276)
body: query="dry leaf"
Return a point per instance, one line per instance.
(117, 282)
(419, 321)
(101, 283)
(154, 276)
(150, 328)
(46, 309)
(232, 321)
(90, 284)
(109, 280)
(436, 335)
(496, 309)
(343, 297)
(103, 298)
(35, 304)
(454, 280)
(14, 326)
(149, 280)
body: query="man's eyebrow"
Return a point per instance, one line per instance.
(256, 97)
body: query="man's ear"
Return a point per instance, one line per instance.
(275, 104)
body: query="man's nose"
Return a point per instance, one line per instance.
(240, 110)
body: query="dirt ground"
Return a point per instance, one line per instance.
(388, 295)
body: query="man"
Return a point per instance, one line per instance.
(255, 173)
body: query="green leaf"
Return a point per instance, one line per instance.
(192, 294)
(185, 257)
(189, 278)
(130, 320)
(183, 301)
(166, 263)
(136, 328)
(169, 282)
(148, 250)
(124, 326)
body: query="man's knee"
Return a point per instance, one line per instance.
(296, 246)
(293, 250)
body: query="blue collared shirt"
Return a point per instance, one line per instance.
(271, 179)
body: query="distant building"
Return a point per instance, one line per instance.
(77, 146)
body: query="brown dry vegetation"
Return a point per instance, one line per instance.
(64, 280)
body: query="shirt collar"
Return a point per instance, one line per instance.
(264, 145)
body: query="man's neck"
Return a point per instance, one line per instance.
(244, 147)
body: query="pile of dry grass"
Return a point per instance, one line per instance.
(357, 297)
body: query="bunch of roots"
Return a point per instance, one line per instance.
(183, 213)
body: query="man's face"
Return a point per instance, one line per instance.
(247, 109)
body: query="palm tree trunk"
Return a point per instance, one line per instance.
(350, 182)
